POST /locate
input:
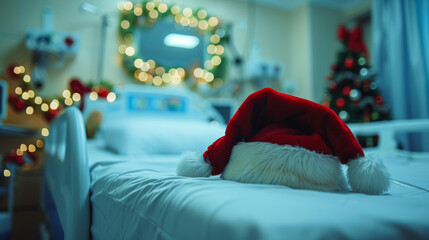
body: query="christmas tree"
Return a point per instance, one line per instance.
(352, 91)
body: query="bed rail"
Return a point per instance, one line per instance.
(387, 130)
(67, 173)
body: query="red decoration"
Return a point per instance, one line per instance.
(332, 86)
(340, 103)
(342, 33)
(51, 114)
(349, 62)
(13, 157)
(103, 92)
(69, 41)
(353, 39)
(366, 84)
(346, 91)
(258, 118)
(77, 87)
(334, 67)
(379, 100)
(17, 103)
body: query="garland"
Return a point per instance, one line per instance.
(146, 14)
(25, 98)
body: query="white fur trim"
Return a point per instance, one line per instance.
(368, 175)
(296, 167)
(193, 165)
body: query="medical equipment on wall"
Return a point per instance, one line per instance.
(47, 42)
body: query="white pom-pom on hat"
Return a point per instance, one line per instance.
(368, 175)
(193, 165)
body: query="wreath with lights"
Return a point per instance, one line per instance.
(147, 71)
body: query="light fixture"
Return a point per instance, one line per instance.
(181, 41)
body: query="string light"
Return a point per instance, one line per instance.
(125, 24)
(187, 12)
(138, 63)
(25, 96)
(216, 60)
(162, 8)
(111, 97)
(76, 97)
(66, 93)
(159, 70)
(138, 10)
(18, 90)
(157, 81)
(26, 78)
(31, 93)
(153, 14)
(175, 9)
(6, 173)
(209, 76)
(38, 100)
(54, 104)
(213, 21)
(23, 147)
(31, 148)
(68, 101)
(44, 107)
(129, 51)
(203, 25)
(150, 6)
(29, 110)
(202, 14)
(198, 72)
(214, 39)
(39, 143)
(93, 96)
(128, 5)
(45, 132)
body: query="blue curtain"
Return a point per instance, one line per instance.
(401, 60)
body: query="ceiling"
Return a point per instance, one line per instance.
(293, 4)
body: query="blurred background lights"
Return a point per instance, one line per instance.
(76, 97)
(111, 97)
(93, 96)
(6, 173)
(45, 132)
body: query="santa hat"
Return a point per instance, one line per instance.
(276, 138)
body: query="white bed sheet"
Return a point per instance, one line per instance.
(140, 197)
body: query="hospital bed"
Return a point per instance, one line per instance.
(123, 185)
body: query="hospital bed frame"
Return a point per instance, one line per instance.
(67, 173)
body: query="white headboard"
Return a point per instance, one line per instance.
(149, 101)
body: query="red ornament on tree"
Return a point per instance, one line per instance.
(334, 67)
(379, 100)
(366, 84)
(349, 63)
(340, 103)
(332, 86)
(346, 91)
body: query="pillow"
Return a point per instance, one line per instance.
(159, 136)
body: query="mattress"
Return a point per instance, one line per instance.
(140, 197)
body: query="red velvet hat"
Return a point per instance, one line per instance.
(279, 125)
